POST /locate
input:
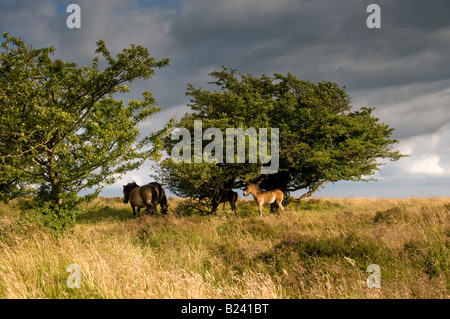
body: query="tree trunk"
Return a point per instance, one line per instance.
(55, 192)
(308, 194)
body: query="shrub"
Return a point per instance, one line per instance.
(50, 216)
(319, 205)
(391, 216)
(43, 212)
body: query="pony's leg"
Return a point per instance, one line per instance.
(234, 200)
(164, 206)
(150, 209)
(260, 208)
(233, 207)
(134, 210)
(164, 209)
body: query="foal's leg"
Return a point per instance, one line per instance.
(273, 207)
(279, 201)
(260, 208)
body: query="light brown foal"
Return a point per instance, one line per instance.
(262, 197)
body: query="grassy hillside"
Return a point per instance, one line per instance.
(319, 248)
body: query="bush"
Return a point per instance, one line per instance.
(319, 205)
(188, 208)
(43, 211)
(391, 216)
(51, 216)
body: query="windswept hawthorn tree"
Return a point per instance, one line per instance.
(61, 125)
(321, 138)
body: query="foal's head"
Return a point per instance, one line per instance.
(249, 188)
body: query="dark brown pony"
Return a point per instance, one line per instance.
(148, 196)
(262, 197)
(230, 197)
(224, 197)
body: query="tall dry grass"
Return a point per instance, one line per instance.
(319, 248)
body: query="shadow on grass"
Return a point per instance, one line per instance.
(105, 209)
(108, 210)
(102, 214)
(248, 208)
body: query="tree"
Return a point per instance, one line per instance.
(62, 128)
(321, 139)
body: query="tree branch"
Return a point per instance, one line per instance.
(308, 194)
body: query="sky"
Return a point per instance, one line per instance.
(401, 69)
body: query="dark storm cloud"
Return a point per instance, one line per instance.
(318, 40)
(402, 69)
(328, 40)
(315, 40)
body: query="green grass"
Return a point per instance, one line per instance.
(318, 248)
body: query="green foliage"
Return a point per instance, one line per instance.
(391, 216)
(437, 261)
(61, 127)
(43, 212)
(202, 183)
(11, 186)
(50, 216)
(319, 205)
(321, 139)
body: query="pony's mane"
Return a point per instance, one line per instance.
(130, 185)
(255, 186)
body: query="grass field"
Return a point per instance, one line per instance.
(319, 248)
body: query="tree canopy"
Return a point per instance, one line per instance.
(321, 138)
(62, 126)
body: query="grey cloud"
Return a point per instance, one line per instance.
(428, 157)
(388, 188)
(413, 110)
(401, 69)
(315, 40)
